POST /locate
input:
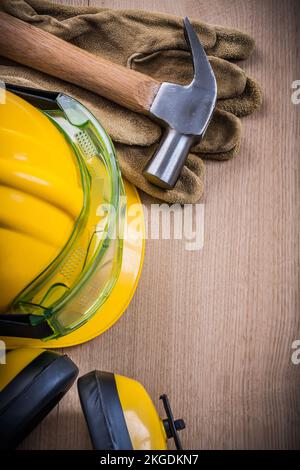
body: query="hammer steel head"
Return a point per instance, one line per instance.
(185, 111)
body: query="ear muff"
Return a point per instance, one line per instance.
(103, 411)
(120, 414)
(31, 383)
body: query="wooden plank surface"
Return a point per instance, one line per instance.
(214, 328)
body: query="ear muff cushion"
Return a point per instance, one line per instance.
(103, 411)
(32, 394)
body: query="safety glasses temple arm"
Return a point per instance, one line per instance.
(42, 99)
(21, 326)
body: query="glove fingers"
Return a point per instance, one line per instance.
(237, 93)
(119, 33)
(188, 189)
(232, 44)
(62, 20)
(222, 137)
(246, 103)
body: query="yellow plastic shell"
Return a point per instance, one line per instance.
(40, 192)
(144, 425)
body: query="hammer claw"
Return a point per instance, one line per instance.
(203, 73)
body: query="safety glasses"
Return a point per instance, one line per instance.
(77, 282)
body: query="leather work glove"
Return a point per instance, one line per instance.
(154, 44)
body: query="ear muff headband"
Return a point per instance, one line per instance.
(103, 411)
(32, 394)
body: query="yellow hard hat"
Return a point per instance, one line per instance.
(41, 195)
(61, 215)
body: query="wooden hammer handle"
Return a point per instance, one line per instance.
(43, 51)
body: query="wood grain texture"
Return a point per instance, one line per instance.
(214, 328)
(47, 53)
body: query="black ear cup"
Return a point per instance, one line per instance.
(103, 411)
(32, 394)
